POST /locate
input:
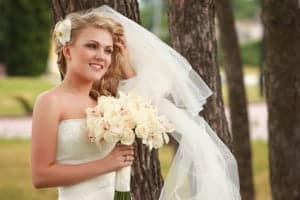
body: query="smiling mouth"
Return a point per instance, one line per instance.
(96, 66)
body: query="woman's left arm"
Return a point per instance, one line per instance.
(127, 69)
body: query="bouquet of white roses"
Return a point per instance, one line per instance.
(122, 120)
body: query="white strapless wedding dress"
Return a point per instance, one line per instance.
(74, 147)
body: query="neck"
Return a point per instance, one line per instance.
(76, 85)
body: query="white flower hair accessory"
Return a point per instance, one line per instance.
(62, 31)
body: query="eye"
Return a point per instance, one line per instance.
(92, 46)
(108, 51)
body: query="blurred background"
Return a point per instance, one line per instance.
(28, 67)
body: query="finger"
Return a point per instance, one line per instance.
(127, 163)
(125, 147)
(120, 45)
(122, 38)
(128, 152)
(129, 158)
(125, 151)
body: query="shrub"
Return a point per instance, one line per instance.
(24, 42)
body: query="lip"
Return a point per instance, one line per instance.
(96, 66)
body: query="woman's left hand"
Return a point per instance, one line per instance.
(128, 71)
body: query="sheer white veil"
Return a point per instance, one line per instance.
(203, 167)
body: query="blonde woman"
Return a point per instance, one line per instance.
(91, 62)
(93, 58)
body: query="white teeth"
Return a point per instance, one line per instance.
(96, 66)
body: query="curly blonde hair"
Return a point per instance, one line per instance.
(108, 84)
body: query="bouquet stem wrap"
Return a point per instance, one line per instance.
(122, 184)
(122, 181)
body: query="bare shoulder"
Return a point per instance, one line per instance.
(47, 108)
(47, 99)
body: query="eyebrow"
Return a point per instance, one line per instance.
(101, 44)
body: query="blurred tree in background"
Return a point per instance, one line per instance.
(240, 126)
(281, 21)
(152, 10)
(192, 29)
(24, 36)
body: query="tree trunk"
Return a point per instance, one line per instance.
(281, 21)
(192, 32)
(60, 8)
(146, 182)
(237, 97)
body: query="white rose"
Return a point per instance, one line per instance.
(142, 131)
(94, 128)
(108, 109)
(62, 31)
(157, 140)
(128, 122)
(140, 117)
(127, 137)
(111, 137)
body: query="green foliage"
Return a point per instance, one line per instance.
(146, 15)
(250, 52)
(24, 42)
(4, 24)
(147, 11)
(245, 9)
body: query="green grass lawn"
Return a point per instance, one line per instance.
(15, 178)
(252, 91)
(261, 170)
(15, 181)
(26, 87)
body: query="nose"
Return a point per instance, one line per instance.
(99, 54)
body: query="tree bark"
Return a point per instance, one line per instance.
(60, 8)
(146, 180)
(281, 21)
(237, 97)
(192, 32)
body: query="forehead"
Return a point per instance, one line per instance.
(100, 35)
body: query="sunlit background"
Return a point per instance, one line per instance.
(28, 67)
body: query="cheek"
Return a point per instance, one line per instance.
(79, 61)
(85, 54)
(108, 60)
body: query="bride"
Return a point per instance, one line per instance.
(99, 53)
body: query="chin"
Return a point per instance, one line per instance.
(96, 78)
(95, 75)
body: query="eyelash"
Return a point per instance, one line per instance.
(109, 51)
(94, 46)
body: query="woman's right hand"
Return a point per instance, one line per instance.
(121, 156)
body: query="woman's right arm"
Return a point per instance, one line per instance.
(45, 171)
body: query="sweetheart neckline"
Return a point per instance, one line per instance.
(69, 120)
